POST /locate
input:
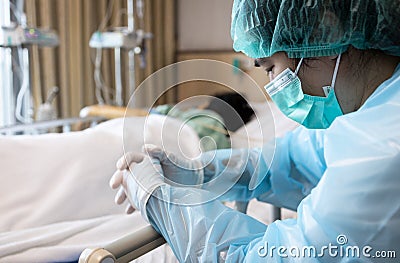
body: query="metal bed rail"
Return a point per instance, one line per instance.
(45, 126)
(124, 249)
(138, 243)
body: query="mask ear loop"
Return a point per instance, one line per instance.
(298, 66)
(335, 71)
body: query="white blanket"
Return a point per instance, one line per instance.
(55, 198)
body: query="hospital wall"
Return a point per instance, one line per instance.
(203, 32)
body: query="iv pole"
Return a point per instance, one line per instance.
(127, 38)
(16, 39)
(7, 100)
(131, 53)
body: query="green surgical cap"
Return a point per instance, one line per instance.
(313, 28)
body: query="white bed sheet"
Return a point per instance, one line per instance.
(55, 199)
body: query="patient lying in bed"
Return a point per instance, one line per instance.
(217, 119)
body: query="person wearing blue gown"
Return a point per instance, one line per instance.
(333, 68)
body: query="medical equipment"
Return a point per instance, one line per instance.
(16, 38)
(47, 111)
(66, 125)
(120, 38)
(11, 35)
(40, 37)
(14, 34)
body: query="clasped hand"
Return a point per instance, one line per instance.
(139, 174)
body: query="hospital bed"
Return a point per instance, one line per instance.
(56, 201)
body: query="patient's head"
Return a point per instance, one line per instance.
(233, 108)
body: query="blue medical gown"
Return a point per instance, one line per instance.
(344, 183)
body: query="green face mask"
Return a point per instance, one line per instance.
(313, 112)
